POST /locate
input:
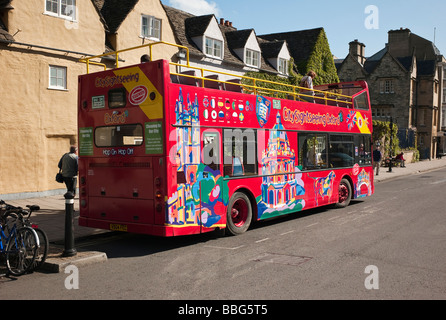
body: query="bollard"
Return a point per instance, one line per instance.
(69, 251)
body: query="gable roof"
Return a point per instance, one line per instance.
(237, 39)
(114, 12)
(300, 43)
(197, 26)
(271, 49)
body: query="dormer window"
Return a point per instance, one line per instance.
(283, 66)
(214, 48)
(150, 27)
(252, 58)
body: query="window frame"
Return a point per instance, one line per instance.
(243, 151)
(250, 56)
(283, 66)
(150, 27)
(386, 86)
(64, 87)
(212, 48)
(320, 157)
(139, 138)
(59, 8)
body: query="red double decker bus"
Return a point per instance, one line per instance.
(166, 153)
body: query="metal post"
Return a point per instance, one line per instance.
(69, 251)
(391, 144)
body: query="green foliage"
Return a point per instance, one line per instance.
(382, 132)
(321, 61)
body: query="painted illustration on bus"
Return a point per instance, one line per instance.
(282, 180)
(200, 187)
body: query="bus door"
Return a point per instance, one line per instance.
(212, 209)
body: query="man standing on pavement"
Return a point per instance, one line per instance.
(377, 157)
(69, 166)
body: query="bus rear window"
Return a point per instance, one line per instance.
(361, 101)
(117, 98)
(119, 136)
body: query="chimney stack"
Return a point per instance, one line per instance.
(357, 50)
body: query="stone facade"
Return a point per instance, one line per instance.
(405, 83)
(40, 48)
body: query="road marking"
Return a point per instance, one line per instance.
(258, 241)
(285, 233)
(334, 218)
(224, 248)
(311, 225)
(439, 181)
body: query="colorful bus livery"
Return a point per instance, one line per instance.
(161, 157)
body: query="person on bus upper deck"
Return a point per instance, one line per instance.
(307, 82)
(145, 58)
(69, 165)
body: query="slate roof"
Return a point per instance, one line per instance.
(271, 49)
(300, 43)
(4, 34)
(113, 12)
(4, 3)
(196, 26)
(186, 26)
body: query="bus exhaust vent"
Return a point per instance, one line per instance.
(282, 259)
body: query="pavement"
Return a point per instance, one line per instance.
(51, 218)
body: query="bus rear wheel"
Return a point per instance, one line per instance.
(345, 194)
(239, 214)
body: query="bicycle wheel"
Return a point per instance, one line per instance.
(21, 251)
(42, 251)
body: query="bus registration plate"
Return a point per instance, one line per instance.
(118, 227)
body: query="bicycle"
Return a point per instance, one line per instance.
(22, 218)
(20, 248)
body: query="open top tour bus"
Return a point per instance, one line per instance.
(176, 153)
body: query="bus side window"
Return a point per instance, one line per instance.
(313, 151)
(240, 152)
(211, 154)
(341, 151)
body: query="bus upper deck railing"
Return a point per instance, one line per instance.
(239, 83)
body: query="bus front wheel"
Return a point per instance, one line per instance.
(345, 194)
(239, 214)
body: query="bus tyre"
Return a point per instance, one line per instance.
(239, 214)
(345, 194)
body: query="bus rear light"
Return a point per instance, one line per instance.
(159, 196)
(158, 182)
(83, 180)
(159, 207)
(83, 203)
(83, 191)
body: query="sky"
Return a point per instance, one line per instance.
(368, 21)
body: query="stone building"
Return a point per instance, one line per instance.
(405, 81)
(41, 42)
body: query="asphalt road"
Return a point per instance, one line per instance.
(389, 246)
